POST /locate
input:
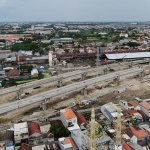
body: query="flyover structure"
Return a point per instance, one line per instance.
(44, 97)
(67, 75)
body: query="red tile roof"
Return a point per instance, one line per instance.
(123, 128)
(145, 105)
(133, 129)
(81, 120)
(25, 147)
(133, 103)
(70, 141)
(49, 134)
(34, 128)
(12, 73)
(140, 134)
(133, 111)
(69, 114)
(126, 146)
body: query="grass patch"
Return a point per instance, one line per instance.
(44, 75)
(25, 81)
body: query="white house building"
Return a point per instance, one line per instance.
(69, 119)
(67, 144)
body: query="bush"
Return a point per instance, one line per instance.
(59, 131)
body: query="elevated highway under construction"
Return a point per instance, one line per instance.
(60, 78)
(45, 97)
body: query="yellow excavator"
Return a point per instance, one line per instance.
(78, 103)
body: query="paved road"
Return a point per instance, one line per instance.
(42, 97)
(64, 76)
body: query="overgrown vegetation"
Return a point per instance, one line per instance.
(59, 131)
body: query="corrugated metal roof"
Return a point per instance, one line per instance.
(111, 107)
(128, 55)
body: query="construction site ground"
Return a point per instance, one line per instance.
(134, 88)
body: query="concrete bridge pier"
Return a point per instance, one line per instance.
(18, 95)
(141, 74)
(130, 66)
(83, 76)
(84, 91)
(116, 80)
(105, 71)
(43, 106)
(59, 83)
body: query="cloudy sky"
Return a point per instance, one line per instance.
(74, 10)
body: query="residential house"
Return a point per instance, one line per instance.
(126, 146)
(69, 119)
(34, 130)
(67, 144)
(145, 107)
(53, 146)
(135, 105)
(25, 147)
(60, 51)
(20, 133)
(124, 35)
(125, 105)
(9, 146)
(81, 50)
(135, 146)
(136, 116)
(34, 73)
(12, 73)
(39, 147)
(137, 135)
(47, 136)
(79, 136)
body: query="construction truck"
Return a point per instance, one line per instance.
(83, 103)
(78, 103)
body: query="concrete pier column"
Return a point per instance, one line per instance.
(84, 91)
(59, 83)
(141, 74)
(105, 71)
(116, 80)
(18, 95)
(83, 76)
(42, 106)
(130, 66)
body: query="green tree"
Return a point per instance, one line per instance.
(41, 52)
(2, 40)
(59, 131)
(29, 68)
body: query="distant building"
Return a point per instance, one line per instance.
(62, 39)
(124, 35)
(13, 73)
(71, 31)
(34, 73)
